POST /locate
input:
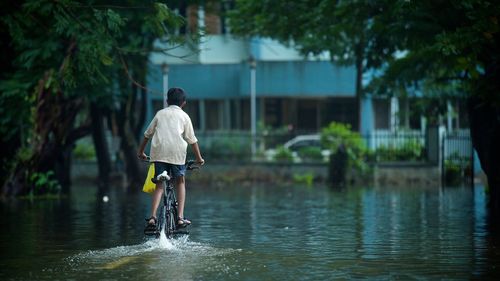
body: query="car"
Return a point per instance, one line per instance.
(297, 143)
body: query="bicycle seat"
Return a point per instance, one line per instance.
(163, 176)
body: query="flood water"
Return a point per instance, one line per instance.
(255, 233)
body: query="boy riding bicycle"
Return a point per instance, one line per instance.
(171, 130)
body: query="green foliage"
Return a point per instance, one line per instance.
(229, 148)
(306, 178)
(310, 153)
(89, 50)
(84, 151)
(283, 154)
(15, 109)
(452, 173)
(338, 135)
(449, 55)
(44, 183)
(455, 168)
(430, 47)
(407, 151)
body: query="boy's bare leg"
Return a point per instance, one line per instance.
(156, 201)
(181, 195)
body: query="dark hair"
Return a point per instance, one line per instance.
(176, 96)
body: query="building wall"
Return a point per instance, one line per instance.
(316, 90)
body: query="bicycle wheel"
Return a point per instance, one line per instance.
(161, 221)
(170, 217)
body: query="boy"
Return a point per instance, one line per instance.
(171, 130)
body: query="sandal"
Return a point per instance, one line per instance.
(151, 225)
(183, 221)
(150, 228)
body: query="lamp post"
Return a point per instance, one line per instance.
(253, 109)
(164, 70)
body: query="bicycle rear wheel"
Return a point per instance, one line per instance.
(161, 221)
(170, 215)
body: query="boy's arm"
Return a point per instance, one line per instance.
(142, 146)
(197, 153)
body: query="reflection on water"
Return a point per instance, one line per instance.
(258, 233)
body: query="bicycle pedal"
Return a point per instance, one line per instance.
(151, 232)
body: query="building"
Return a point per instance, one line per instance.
(301, 93)
(292, 91)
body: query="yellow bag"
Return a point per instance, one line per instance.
(149, 186)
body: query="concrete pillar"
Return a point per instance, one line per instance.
(203, 121)
(394, 114)
(433, 143)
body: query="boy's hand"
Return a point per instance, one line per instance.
(200, 161)
(142, 155)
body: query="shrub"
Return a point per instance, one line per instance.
(307, 178)
(310, 153)
(84, 151)
(229, 148)
(44, 183)
(338, 135)
(283, 154)
(408, 151)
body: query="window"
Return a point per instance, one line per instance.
(273, 112)
(307, 115)
(192, 108)
(213, 110)
(240, 114)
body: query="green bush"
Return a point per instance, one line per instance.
(338, 134)
(44, 183)
(452, 173)
(84, 151)
(455, 168)
(408, 151)
(229, 148)
(283, 154)
(310, 153)
(307, 178)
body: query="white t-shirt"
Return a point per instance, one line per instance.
(171, 130)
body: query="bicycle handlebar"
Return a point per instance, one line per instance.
(190, 164)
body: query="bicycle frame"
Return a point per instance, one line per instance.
(168, 211)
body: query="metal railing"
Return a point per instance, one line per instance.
(379, 147)
(457, 164)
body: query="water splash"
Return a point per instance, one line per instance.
(165, 243)
(178, 248)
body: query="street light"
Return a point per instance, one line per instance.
(253, 115)
(164, 69)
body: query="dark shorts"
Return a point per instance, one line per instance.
(174, 171)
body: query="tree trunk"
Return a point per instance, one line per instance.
(51, 147)
(100, 145)
(485, 133)
(128, 146)
(125, 118)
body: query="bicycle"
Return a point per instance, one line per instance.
(168, 211)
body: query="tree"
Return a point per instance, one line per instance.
(67, 56)
(342, 28)
(442, 48)
(452, 48)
